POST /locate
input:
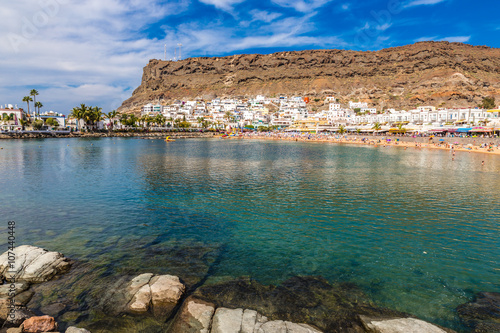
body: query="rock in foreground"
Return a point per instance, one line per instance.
(33, 264)
(401, 325)
(157, 293)
(197, 316)
(39, 324)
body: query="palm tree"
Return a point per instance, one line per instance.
(377, 127)
(111, 115)
(342, 129)
(23, 123)
(28, 99)
(228, 115)
(160, 120)
(401, 129)
(79, 113)
(96, 115)
(34, 93)
(38, 105)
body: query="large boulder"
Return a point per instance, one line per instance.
(159, 294)
(33, 264)
(195, 316)
(401, 325)
(39, 324)
(227, 320)
(482, 314)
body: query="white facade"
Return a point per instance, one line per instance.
(334, 106)
(358, 105)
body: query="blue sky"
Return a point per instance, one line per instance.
(93, 51)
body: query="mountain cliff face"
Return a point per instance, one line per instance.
(428, 73)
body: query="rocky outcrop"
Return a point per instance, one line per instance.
(157, 293)
(483, 313)
(33, 264)
(429, 73)
(401, 325)
(197, 316)
(39, 324)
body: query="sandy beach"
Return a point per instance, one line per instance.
(485, 147)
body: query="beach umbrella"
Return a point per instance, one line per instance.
(441, 139)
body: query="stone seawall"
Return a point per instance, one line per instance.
(177, 135)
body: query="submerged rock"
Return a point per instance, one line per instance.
(73, 329)
(33, 264)
(310, 300)
(482, 314)
(19, 316)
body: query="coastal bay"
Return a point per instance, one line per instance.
(413, 230)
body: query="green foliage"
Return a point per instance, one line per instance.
(51, 122)
(488, 103)
(91, 115)
(184, 124)
(342, 129)
(357, 110)
(38, 124)
(316, 100)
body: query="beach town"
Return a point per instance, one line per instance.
(279, 118)
(284, 113)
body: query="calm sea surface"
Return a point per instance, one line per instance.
(415, 230)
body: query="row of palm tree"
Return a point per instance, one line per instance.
(37, 105)
(91, 115)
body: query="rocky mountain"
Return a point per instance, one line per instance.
(428, 73)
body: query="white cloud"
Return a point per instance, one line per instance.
(226, 5)
(84, 52)
(303, 6)
(346, 6)
(265, 16)
(457, 39)
(423, 2)
(286, 32)
(93, 51)
(425, 39)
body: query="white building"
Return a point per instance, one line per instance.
(358, 105)
(334, 106)
(150, 109)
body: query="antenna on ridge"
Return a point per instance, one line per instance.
(165, 52)
(175, 54)
(180, 51)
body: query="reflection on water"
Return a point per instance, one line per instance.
(418, 231)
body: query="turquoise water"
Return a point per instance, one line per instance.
(414, 229)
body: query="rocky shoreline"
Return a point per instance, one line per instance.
(165, 303)
(176, 135)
